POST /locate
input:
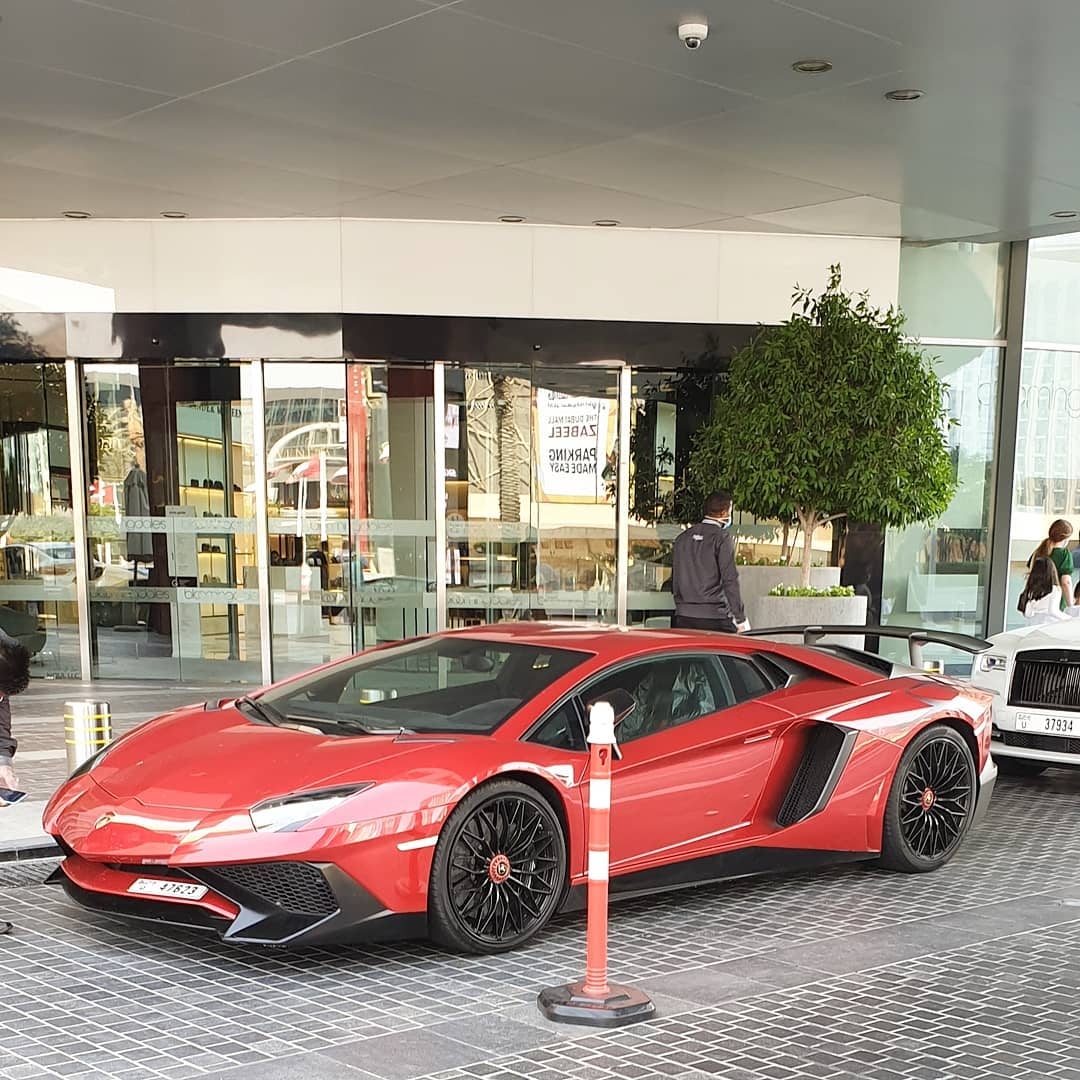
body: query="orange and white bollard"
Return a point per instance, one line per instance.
(594, 1000)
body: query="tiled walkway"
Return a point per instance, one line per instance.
(970, 973)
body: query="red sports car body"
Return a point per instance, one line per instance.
(440, 786)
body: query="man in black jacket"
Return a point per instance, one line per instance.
(705, 581)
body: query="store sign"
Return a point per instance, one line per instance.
(572, 440)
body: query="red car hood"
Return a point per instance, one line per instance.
(218, 760)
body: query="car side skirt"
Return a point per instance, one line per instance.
(709, 869)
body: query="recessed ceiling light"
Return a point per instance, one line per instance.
(606, 222)
(174, 215)
(511, 219)
(77, 215)
(811, 67)
(1065, 215)
(905, 95)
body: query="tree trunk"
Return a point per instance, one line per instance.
(807, 521)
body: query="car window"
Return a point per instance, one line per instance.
(439, 684)
(747, 681)
(561, 730)
(667, 691)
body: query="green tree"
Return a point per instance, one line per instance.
(832, 413)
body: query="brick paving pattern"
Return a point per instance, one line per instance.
(968, 973)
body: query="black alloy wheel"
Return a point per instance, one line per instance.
(499, 871)
(931, 802)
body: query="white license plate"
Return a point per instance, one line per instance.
(1048, 725)
(182, 890)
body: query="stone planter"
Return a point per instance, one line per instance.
(813, 611)
(756, 581)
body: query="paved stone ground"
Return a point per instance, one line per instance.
(970, 973)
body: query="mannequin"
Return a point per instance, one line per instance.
(137, 504)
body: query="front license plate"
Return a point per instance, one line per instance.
(182, 890)
(1047, 725)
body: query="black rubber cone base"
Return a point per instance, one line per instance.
(568, 1005)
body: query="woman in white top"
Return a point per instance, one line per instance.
(1040, 601)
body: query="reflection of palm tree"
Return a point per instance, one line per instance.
(16, 343)
(507, 442)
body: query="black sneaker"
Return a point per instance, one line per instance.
(6, 927)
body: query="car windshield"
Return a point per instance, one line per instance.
(449, 685)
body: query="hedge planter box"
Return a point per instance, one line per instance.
(756, 581)
(814, 611)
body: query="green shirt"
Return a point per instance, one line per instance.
(1063, 560)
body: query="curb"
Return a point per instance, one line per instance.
(31, 849)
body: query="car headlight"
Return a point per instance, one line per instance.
(992, 662)
(291, 811)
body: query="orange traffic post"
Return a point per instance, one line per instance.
(594, 1000)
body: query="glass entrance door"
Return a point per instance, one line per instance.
(531, 485)
(171, 522)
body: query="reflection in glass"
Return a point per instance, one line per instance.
(171, 523)
(307, 479)
(1052, 303)
(38, 603)
(936, 576)
(348, 476)
(668, 409)
(530, 494)
(1047, 478)
(954, 290)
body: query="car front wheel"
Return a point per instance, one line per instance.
(931, 802)
(499, 870)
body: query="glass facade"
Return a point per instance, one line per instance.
(937, 574)
(240, 520)
(1046, 480)
(38, 581)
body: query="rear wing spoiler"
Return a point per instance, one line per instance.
(916, 637)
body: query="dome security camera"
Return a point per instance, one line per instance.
(692, 34)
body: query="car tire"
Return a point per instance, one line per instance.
(1011, 766)
(931, 802)
(499, 872)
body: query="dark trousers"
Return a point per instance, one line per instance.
(687, 622)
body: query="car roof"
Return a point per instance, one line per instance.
(611, 643)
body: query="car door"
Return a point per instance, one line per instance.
(695, 754)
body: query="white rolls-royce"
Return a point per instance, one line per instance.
(1034, 673)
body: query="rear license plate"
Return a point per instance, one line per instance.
(182, 890)
(1047, 725)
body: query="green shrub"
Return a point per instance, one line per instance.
(810, 591)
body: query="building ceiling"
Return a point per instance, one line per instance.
(559, 111)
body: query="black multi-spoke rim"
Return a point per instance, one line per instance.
(505, 869)
(936, 798)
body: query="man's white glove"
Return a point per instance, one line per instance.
(743, 626)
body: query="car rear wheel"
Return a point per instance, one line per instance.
(499, 870)
(1011, 766)
(931, 802)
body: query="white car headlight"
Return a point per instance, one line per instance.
(291, 811)
(992, 662)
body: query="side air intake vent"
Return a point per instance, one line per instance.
(827, 751)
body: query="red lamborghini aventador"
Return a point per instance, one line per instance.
(439, 786)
